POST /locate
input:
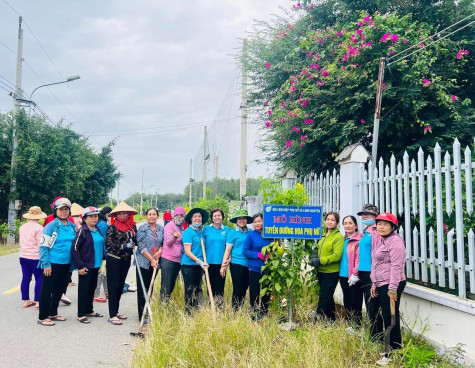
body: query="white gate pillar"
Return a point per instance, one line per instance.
(350, 160)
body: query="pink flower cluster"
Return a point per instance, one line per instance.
(426, 83)
(308, 121)
(295, 129)
(388, 36)
(428, 127)
(267, 65)
(461, 53)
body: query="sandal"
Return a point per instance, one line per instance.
(121, 316)
(46, 322)
(95, 314)
(29, 304)
(116, 322)
(57, 318)
(84, 320)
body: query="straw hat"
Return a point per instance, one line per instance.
(204, 215)
(76, 209)
(123, 207)
(34, 213)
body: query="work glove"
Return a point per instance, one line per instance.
(262, 256)
(315, 260)
(353, 279)
(102, 270)
(202, 264)
(128, 245)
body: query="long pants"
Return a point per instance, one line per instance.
(70, 279)
(170, 272)
(147, 279)
(51, 290)
(86, 287)
(383, 316)
(259, 306)
(217, 283)
(101, 280)
(193, 278)
(29, 267)
(116, 270)
(366, 284)
(240, 278)
(326, 304)
(352, 300)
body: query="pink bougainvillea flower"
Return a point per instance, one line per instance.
(366, 19)
(307, 114)
(303, 138)
(267, 103)
(269, 124)
(454, 98)
(394, 38)
(302, 144)
(269, 112)
(314, 66)
(282, 103)
(385, 37)
(282, 120)
(267, 65)
(324, 73)
(384, 86)
(295, 129)
(308, 121)
(428, 127)
(461, 53)
(421, 45)
(426, 83)
(359, 31)
(404, 41)
(288, 144)
(360, 23)
(362, 121)
(305, 103)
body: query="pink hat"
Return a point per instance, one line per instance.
(179, 211)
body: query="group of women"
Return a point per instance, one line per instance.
(369, 265)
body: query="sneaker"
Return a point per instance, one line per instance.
(65, 300)
(126, 287)
(132, 287)
(384, 361)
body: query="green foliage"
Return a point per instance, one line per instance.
(218, 202)
(273, 193)
(225, 188)
(53, 161)
(315, 80)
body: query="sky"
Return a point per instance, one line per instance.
(153, 74)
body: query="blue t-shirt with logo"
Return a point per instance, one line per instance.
(193, 237)
(215, 243)
(98, 247)
(344, 260)
(236, 238)
(365, 252)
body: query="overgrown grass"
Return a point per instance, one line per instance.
(8, 249)
(234, 340)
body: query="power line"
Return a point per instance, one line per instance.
(8, 48)
(428, 38)
(426, 46)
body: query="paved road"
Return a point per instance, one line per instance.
(24, 343)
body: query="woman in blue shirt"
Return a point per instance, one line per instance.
(55, 260)
(234, 254)
(102, 225)
(214, 236)
(150, 241)
(253, 251)
(88, 253)
(192, 264)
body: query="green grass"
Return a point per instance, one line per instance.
(8, 249)
(234, 340)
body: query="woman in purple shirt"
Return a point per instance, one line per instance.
(388, 259)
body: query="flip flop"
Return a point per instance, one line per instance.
(95, 315)
(44, 322)
(84, 320)
(116, 322)
(30, 304)
(57, 318)
(121, 316)
(100, 300)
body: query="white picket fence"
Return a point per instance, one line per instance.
(421, 190)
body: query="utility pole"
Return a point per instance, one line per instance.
(215, 186)
(242, 171)
(191, 181)
(377, 110)
(118, 186)
(141, 196)
(156, 197)
(205, 157)
(17, 95)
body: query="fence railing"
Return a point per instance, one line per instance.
(433, 198)
(429, 195)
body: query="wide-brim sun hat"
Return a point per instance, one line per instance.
(204, 215)
(76, 209)
(370, 209)
(123, 207)
(35, 213)
(241, 213)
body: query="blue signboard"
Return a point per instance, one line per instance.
(292, 222)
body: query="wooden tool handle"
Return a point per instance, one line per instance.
(208, 283)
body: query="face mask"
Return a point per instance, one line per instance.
(195, 226)
(108, 221)
(368, 222)
(179, 220)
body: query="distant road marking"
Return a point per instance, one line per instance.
(12, 290)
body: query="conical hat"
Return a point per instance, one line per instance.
(76, 209)
(123, 207)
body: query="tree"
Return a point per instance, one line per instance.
(53, 161)
(314, 81)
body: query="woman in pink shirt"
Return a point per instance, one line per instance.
(30, 235)
(388, 258)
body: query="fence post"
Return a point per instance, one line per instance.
(349, 160)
